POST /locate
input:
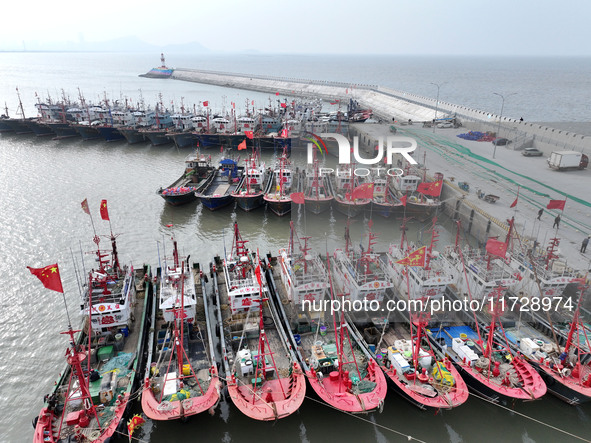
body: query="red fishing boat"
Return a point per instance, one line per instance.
(264, 379)
(339, 369)
(181, 375)
(93, 397)
(278, 198)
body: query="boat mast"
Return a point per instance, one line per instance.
(434, 236)
(20, 104)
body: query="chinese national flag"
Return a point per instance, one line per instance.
(252, 103)
(257, 272)
(134, 423)
(556, 204)
(363, 191)
(276, 93)
(84, 205)
(284, 105)
(496, 247)
(49, 276)
(433, 188)
(403, 200)
(297, 198)
(416, 258)
(205, 103)
(514, 203)
(104, 211)
(249, 134)
(242, 145)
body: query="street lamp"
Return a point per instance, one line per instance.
(437, 102)
(500, 117)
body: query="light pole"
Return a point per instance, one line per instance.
(436, 102)
(500, 117)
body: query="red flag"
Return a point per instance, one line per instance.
(276, 93)
(257, 272)
(363, 191)
(134, 423)
(496, 247)
(556, 204)
(297, 198)
(104, 211)
(169, 226)
(49, 276)
(252, 103)
(249, 134)
(242, 145)
(206, 103)
(416, 258)
(284, 133)
(516, 198)
(85, 206)
(284, 105)
(433, 188)
(403, 200)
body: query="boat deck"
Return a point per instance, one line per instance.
(197, 353)
(115, 369)
(241, 333)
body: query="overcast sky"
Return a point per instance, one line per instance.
(500, 27)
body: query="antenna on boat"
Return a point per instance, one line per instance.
(20, 103)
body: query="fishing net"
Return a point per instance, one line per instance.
(365, 386)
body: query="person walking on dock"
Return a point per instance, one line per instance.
(540, 212)
(584, 244)
(556, 222)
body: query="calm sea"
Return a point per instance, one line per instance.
(42, 183)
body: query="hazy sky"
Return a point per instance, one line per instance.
(511, 27)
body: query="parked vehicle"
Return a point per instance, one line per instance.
(501, 141)
(564, 160)
(531, 152)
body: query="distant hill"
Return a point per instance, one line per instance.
(122, 44)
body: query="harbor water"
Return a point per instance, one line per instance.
(43, 182)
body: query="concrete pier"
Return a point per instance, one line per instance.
(389, 104)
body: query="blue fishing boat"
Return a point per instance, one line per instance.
(218, 192)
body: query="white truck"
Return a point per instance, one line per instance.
(564, 160)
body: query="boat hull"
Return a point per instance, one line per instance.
(272, 408)
(184, 139)
(208, 140)
(574, 395)
(279, 207)
(350, 208)
(157, 138)
(18, 125)
(87, 132)
(174, 410)
(317, 206)
(385, 210)
(250, 202)
(62, 130)
(39, 129)
(333, 393)
(109, 133)
(132, 135)
(458, 396)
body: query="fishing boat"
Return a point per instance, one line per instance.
(18, 125)
(361, 275)
(265, 381)
(317, 190)
(256, 184)
(181, 377)
(384, 201)
(132, 134)
(198, 172)
(419, 205)
(428, 278)
(340, 371)
(217, 192)
(416, 370)
(488, 365)
(278, 198)
(94, 395)
(543, 265)
(351, 196)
